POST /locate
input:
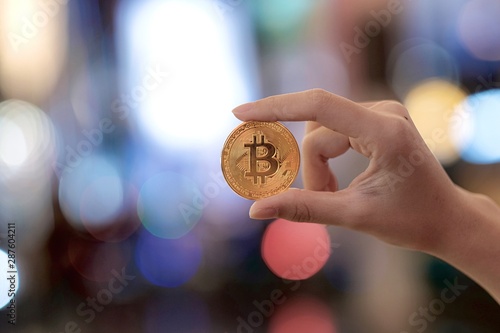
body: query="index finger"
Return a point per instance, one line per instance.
(335, 112)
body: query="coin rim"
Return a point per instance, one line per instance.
(243, 124)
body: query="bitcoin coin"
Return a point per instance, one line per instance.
(260, 159)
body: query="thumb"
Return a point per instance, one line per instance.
(305, 206)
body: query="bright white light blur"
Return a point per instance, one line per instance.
(27, 142)
(5, 284)
(26, 138)
(186, 39)
(479, 28)
(475, 130)
(91, 193)
(13, 150)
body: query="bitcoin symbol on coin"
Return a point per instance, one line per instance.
(257, 169)
(260, 159)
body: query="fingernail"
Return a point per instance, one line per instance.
(243, 108)
(263, 213)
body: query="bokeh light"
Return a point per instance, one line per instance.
(102, 200)
(26, 139)
(431, 105)
(33, 47)
(295, 251)
(479, 29)
(303, 314)
(13, 145)
(168, 262)
(91, 192)
(6, 286)
(123, 226)
(170, 205)
(27, 146)
(475, 131)
(197, 76)
(417, 60)
(279, 18)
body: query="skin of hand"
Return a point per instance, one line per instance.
(404, 197)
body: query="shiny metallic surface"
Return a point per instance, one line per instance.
(260, 159)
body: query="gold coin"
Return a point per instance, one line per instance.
(260, 159)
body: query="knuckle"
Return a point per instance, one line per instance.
(320, 98)
(396, 108)
(309, 142)
(393, 103)
(299, 211)
(300, 214)
(397, 126)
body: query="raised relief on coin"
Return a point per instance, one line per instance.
(263, 162)
(260, 159)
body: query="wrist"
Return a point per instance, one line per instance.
(469, 223)
(470, 239)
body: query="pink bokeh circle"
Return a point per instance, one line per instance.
(295, 251)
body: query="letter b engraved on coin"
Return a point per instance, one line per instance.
(258, 169)
(260, 159)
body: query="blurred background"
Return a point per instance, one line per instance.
(112, 119)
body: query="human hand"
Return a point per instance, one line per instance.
(404, 197)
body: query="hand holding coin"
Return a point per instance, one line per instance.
(404, 197)
(260, 159)
(381, 200)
